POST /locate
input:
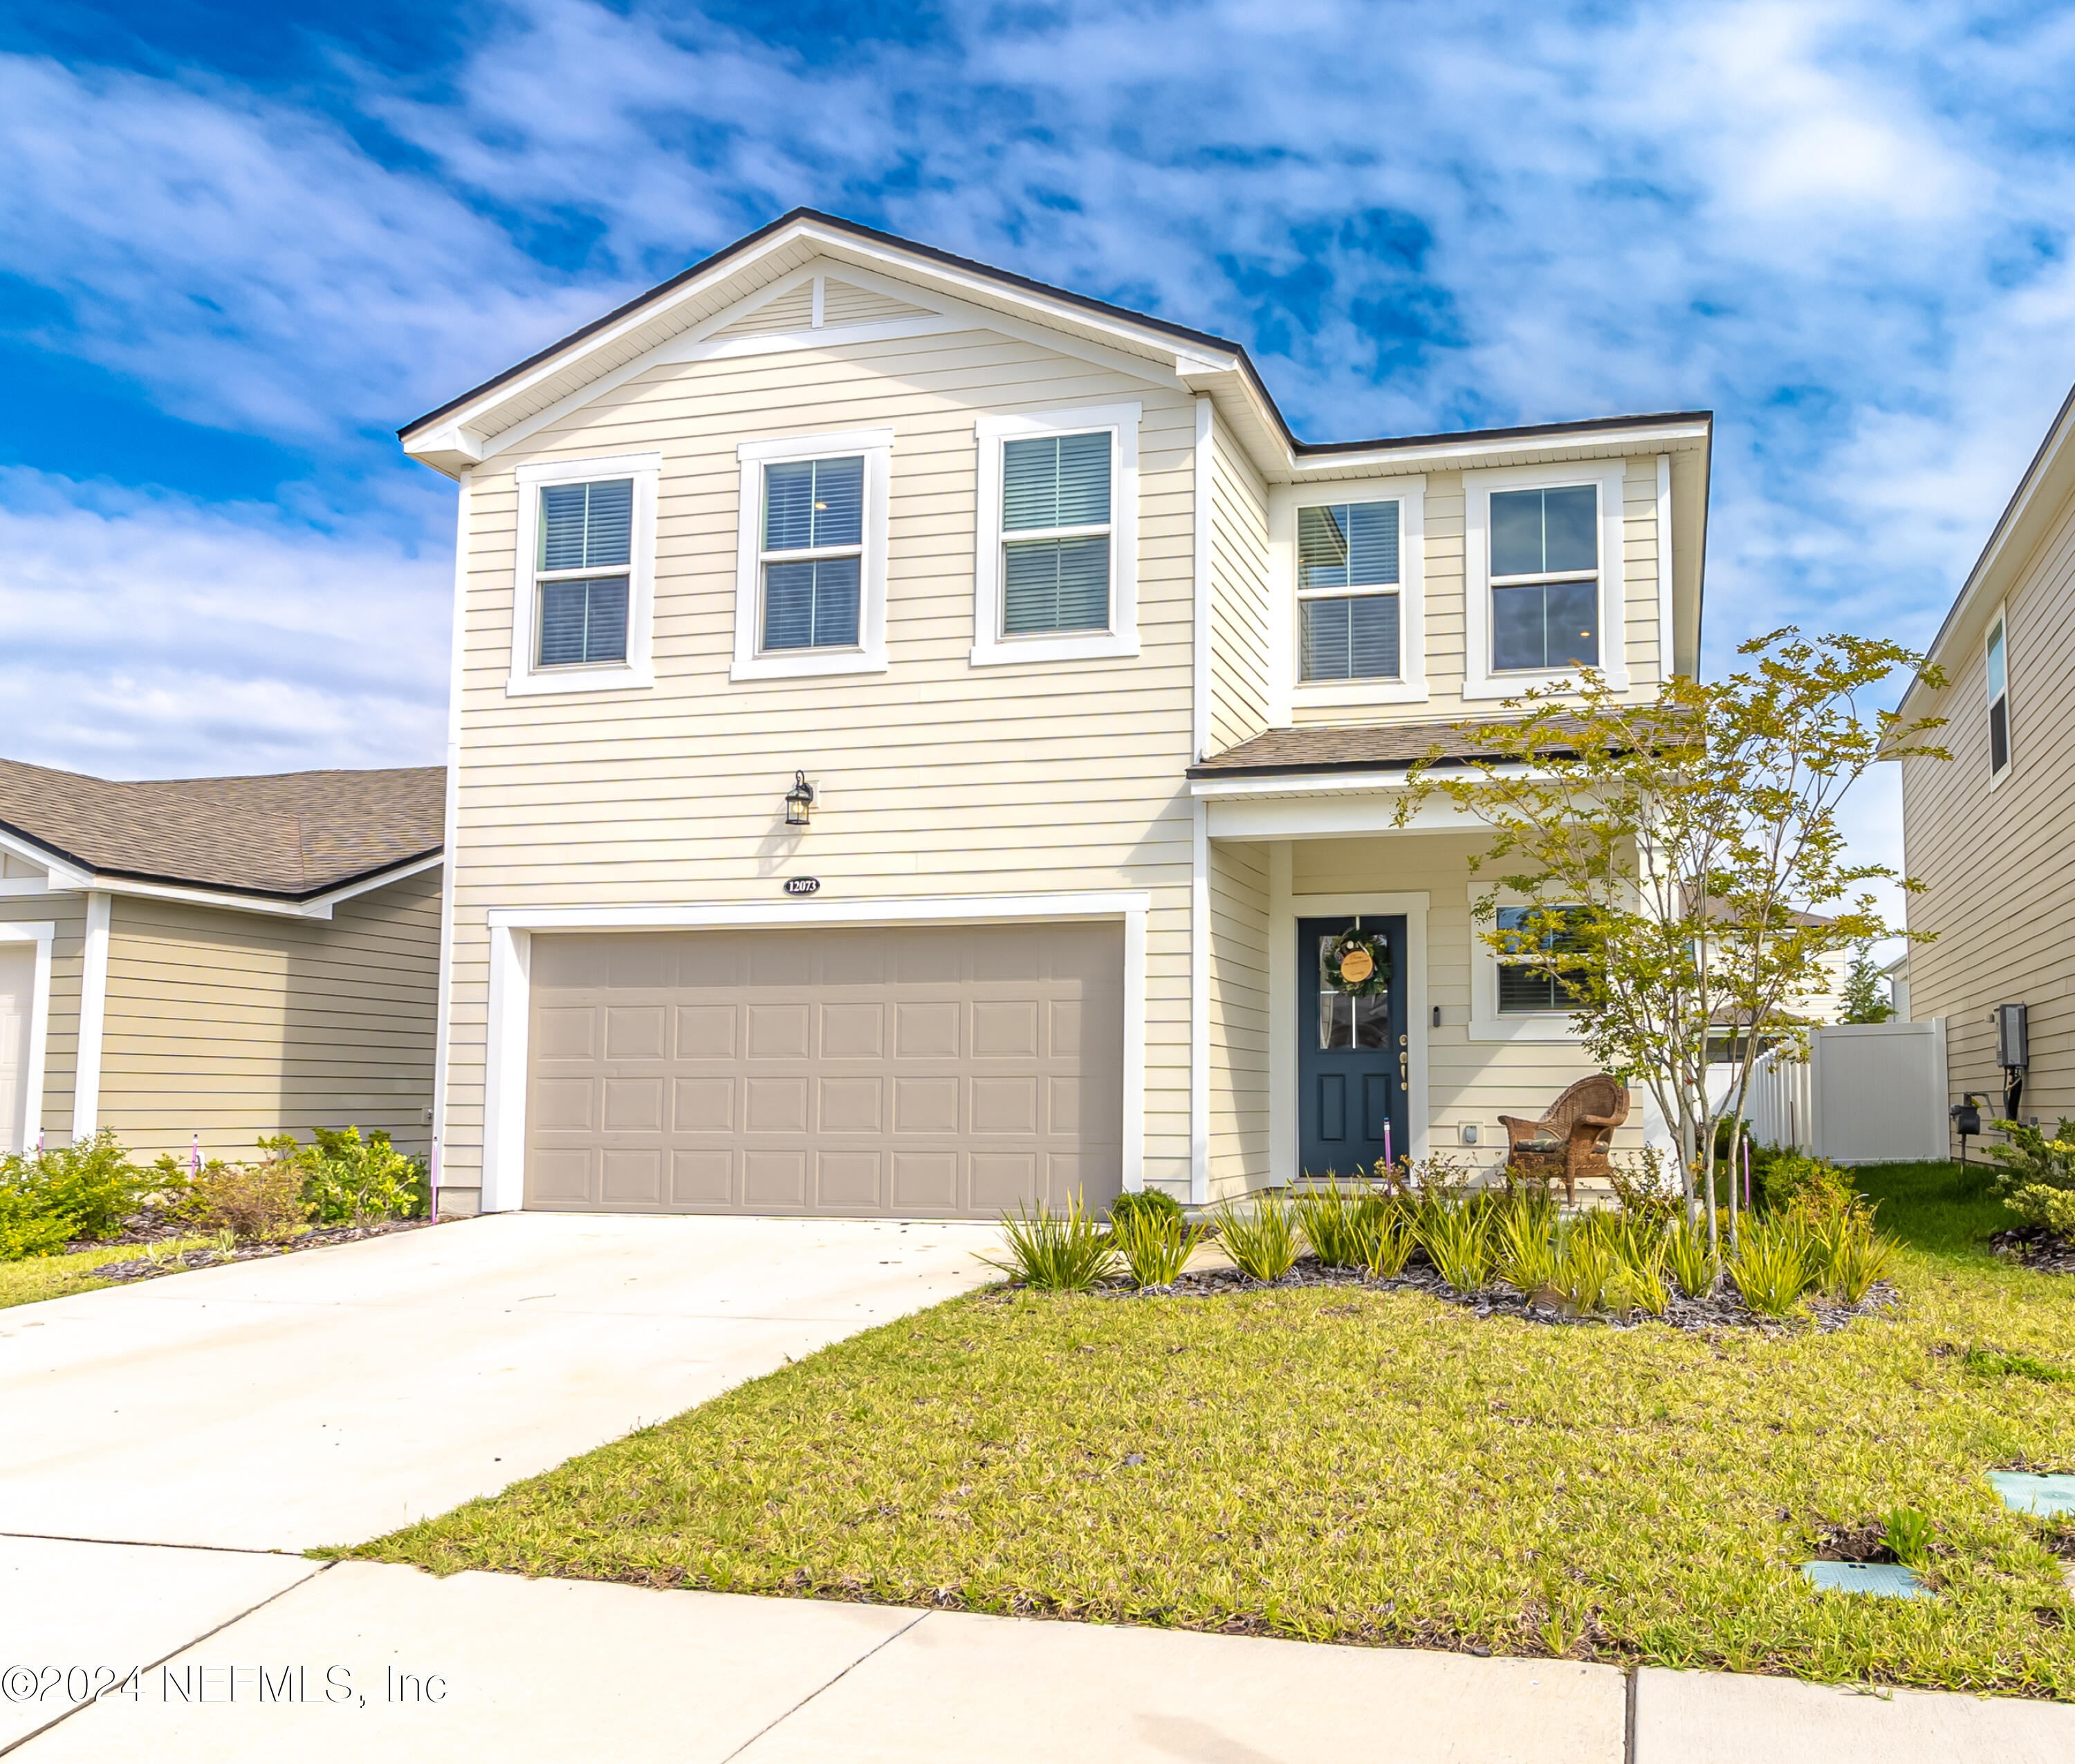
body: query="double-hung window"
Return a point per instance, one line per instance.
(1347, 598)
(810, 578)
(581, 604)
(813, 555)
(1530, 988)
(583, 581)
(1053, 571)
(1545, 577)
(1999, 672)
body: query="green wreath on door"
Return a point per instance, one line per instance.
(1358, 963)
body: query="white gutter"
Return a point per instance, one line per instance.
(1199, 842)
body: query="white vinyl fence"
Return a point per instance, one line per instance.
(1869, 1093)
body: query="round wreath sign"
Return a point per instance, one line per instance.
(1358, 963)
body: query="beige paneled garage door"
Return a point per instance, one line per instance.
(913, 1071)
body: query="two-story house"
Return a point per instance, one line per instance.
(1982, 830)
(916, 730)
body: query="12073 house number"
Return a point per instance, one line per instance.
(803, 884)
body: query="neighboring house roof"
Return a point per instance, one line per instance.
(1339, 750)
(2026, 517)
(287, 836)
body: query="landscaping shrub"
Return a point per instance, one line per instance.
(49, 1197)
(349, 1180)
(1156, 1202)
(256, 1203)
(1646, 1182)
(1155, 1243)
(1693, 1263)
(1585, 1267)
(1387, 1241)
(1260, 1236)
(1068, 1252)
(1791, 1181)
(28, 1225)
(2037, 1177)
(1772, 1266)
(1332, 1219)
(1847, 1255)
(1524, 1251)
(1456, 1234)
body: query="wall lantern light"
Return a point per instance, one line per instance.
(799, 801)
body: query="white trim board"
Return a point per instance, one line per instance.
(511, 931)
(42, 932)
(1285, 909)
(93, 1017)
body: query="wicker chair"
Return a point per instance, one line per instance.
(1576, 1132)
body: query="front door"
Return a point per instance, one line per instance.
(1351, 1056)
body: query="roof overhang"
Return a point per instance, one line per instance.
(2027, 517)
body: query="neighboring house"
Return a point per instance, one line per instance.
(219, 958)
(1103, 687)
(1986, 831)
(1896, 973)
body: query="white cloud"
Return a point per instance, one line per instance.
(150, 637)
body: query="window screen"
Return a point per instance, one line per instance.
(1058, 486)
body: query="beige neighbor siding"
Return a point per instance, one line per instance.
(1240, 598)
(231, 1025)
(936, 778)
(1444, 584)
(1466, 1080)
(68, 911)
(2000, 891)
(1239, 1016)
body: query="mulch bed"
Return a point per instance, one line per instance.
(150, 1268)
(2035, 1247)
(1725, 1311)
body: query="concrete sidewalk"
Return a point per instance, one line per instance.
(361, 1660)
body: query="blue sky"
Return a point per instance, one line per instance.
(239, 245)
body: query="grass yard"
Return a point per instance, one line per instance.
(1336, 1464)
(54, 1276)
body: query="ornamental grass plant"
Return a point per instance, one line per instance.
(1055, 1252)
(1386, 1240)
(1523, 1243)
(1155, 1245)
(1692, 1261)
(1456, 1234)
(1332, 1219)
(1771, 1265)
(1260, 1235)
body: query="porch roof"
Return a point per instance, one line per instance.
(1282, 753)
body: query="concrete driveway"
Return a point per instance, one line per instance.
(327, 1397)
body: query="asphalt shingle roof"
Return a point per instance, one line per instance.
(1339, 749)
(291, 835)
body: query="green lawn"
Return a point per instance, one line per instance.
(53, 1277)
(1337, 1464)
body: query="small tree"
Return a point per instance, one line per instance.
(1672, 856)
(1865, 1001)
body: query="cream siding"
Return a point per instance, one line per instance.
(843, 303)
(791, 311)
(1238, 1016)
(68, 912)
(935, 779)
(1241, 649)
(1466, 1080)
(1999, 892)
(231, 1024)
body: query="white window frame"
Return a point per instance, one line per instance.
(528, 677)
(1480, 680)
(1999, 623)
(991, 649)
(1487, 1023)
(1410, 685)
(875, 447)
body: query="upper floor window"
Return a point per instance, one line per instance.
(1998, 672)
(1055, 534)
(1348, 581)
(1545, 577)
(811, 565)
(587, 542)
(585, 565)
(1054, 571)
(813, 555)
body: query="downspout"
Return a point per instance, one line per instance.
(92, 1018)
(442, 1035)
(1199, 842)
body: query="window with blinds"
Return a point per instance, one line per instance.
(1525, 987)
(1348, 591)
(1545, 577)
(1056, 534)
(813, 555)
(580, 581)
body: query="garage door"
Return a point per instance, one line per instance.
(924, 1071)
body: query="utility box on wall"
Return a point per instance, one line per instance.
(2013, 1037)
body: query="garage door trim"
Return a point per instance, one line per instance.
(509, 1004)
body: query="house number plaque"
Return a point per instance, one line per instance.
(803, 884)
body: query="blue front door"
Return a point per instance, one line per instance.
(1350, 1058)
